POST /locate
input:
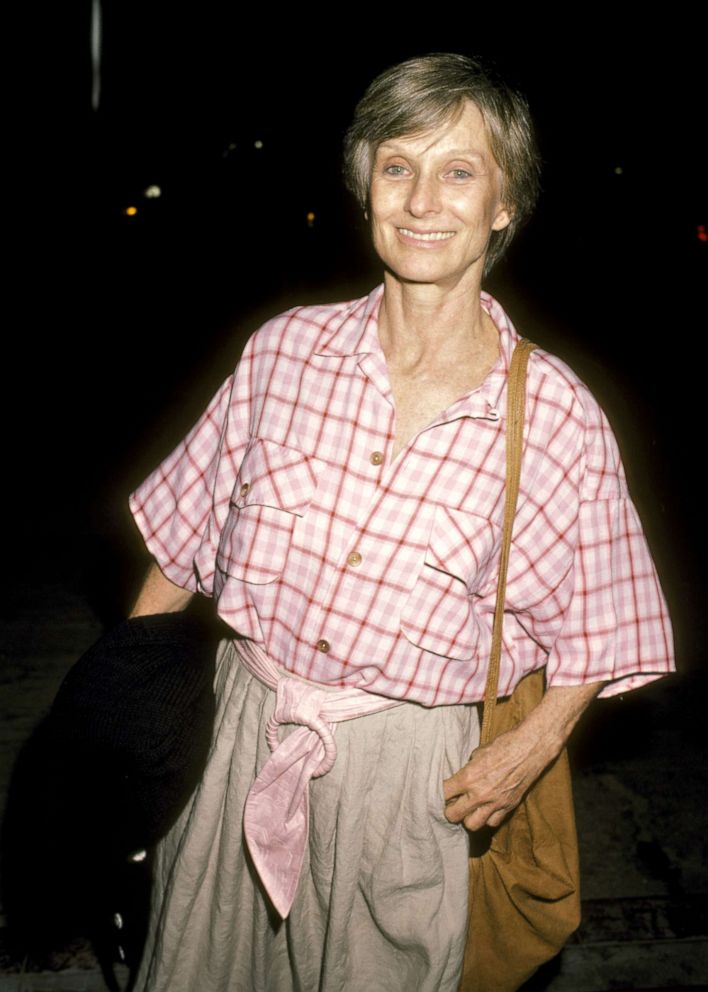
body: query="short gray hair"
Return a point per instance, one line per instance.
(421, 94)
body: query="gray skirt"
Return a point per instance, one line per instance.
(382, 900)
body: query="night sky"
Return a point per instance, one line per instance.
(127, 324)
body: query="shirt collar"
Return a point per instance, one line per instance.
(493, 386)
(356, 330)
(508, 335)
(356, 334)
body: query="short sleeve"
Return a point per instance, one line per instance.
(180, 509)
(615, 627)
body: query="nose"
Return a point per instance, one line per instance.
(423, 196)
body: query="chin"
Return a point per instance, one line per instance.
(429, 275)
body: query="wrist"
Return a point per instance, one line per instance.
(551, 723)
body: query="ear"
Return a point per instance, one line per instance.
(502, 219)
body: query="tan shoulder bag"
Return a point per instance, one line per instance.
(525, 887)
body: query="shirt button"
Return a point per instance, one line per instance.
(376, 457)
(323, 646)
(354, 558)
(245, 488)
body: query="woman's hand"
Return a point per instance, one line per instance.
(495, 779)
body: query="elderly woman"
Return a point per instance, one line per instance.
(341, 499)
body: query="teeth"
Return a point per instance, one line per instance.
(431, 236)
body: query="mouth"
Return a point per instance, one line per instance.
(426, 235)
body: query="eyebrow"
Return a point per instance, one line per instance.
(391, 146)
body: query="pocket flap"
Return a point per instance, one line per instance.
(439, 614)
(461, 544)
(272, 475)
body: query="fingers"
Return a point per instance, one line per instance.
(475, 817)
(453, 787)
(472, 800)
(492, 783)
(466, 807)
(463, 798)
(486, 818)
(484, 815)
(476, 820)
(464, 782)
(498, 816)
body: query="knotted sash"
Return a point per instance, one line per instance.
(277, 813)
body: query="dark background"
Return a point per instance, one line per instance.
(119, 328)
(124, 326)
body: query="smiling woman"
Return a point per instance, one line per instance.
(434, 201)
(341, 500)
(427, 93)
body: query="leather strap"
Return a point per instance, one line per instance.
(515, 415)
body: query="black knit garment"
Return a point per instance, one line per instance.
(135, 713)
(104, 776)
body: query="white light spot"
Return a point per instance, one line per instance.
(258, 143)
(138, 856)
(118, 921)
(152, 192)
(618, 170)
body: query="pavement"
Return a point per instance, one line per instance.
(639, 766)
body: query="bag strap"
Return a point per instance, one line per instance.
(515, 415)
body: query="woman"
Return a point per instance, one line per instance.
(341, 499)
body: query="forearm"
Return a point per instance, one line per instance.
(547, 728)
(159, 595)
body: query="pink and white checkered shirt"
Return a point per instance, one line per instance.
(353, 569)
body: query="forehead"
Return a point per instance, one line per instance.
(464, 133)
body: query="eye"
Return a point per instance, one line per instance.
(460, 174)
(394, 170)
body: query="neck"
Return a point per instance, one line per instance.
(418, 320)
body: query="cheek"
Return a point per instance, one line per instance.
(380, 239)
(380, 201)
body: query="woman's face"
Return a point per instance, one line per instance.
(434, 201)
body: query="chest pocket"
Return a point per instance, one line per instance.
(439, 615)
(273, 490)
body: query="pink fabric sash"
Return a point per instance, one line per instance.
(277, 813)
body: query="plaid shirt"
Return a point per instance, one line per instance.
(353, 569)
